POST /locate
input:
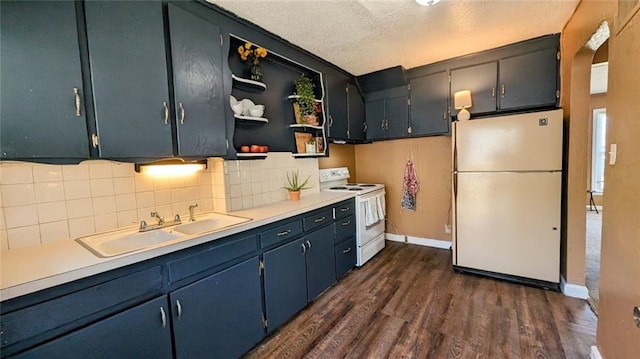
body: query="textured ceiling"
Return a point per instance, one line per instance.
(362, 36)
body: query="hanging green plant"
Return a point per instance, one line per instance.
(306, 99)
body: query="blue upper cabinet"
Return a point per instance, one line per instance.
(129, 75)
(482, 81)
(135, 115)
(196, 53)
(42, 96)
(429, 97)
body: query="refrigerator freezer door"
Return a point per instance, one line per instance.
(525, 142)
(509, 223)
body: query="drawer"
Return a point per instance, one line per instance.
(344, 209)
(215, 255)
(345, 257)
(345, 227)
(63, 311)
(281, 233)
(317, 218)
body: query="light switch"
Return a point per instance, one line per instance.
(613, 151)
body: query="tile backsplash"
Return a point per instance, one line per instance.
(43, 203)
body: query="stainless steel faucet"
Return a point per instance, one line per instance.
(191, 208)
(157, 216)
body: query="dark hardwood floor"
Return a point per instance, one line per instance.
(408, 302)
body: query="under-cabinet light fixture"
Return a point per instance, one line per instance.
(171, 167)
(427, 2)
(462, 101)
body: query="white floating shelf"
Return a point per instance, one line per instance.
(253, 119)
(257, 85)
(293, 97)
(301, 125)
(315, 154)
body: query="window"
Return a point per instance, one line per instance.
(598, 148)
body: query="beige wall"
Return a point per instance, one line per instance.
(340, 156)
(384, 162)
(575, 75)
(620, 263)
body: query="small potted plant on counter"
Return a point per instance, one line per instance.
(294, 186)
(305, 107)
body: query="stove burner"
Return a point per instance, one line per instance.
(367, 185)
(338, 188)
(352, 184)
(355, 189)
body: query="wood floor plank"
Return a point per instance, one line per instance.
(408, 302)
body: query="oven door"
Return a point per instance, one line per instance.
(364, 233)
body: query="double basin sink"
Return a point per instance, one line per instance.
(118, 242)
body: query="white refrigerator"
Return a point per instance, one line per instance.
(507, 182)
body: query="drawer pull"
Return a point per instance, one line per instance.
(308, 245)
(318, 220)
(163, 317)
(304, 249)
(280, 234)
(346, 223)
(344, 209)
(179, 306)
(347, 250)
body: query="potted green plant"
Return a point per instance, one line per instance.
(305, 107)
(294, 185)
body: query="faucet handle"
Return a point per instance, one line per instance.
(176, 218)
(143, 225)
(153, 213)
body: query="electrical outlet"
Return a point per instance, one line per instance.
(447, 228)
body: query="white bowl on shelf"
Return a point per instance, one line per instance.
(246, 105)
(256, 111)
(238, 108)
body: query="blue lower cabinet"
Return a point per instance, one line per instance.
(143, 331)
(345, 257)
(285, 282)
(219, 316)
(321, 272)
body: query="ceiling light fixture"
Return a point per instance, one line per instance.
(427, 2)
(171, 167)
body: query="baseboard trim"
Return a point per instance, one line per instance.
(595, 353)
(427, 242)
(573, 290)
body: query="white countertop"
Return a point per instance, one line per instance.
(31, 269)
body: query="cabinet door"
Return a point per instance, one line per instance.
(429, 102)
(196, 54)
(529, 80)
(285, 282)
(397, 114)
(482, 81)
(140, 332)
(337, 107)
(40, 69)
(321, 270)
(375, 117)
(355, 106)
(220, 315)
(129, 74)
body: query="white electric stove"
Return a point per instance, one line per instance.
(369, 197)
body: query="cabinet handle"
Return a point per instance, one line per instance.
(94, 140)
(181, 113)
(344, 209)
(444, 116)
(280, 234)
(386, 124)
(179, 306)
(365, 126)
(77, 95)
(346, 223)
(304, 249)
(318, 220)
(163, 317)
(166, 113)
(330, 121)
(382, 126)
(493, 93)
(308, 245)
(502, 91)
(347, 250)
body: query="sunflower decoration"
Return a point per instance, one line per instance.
(251, 55)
